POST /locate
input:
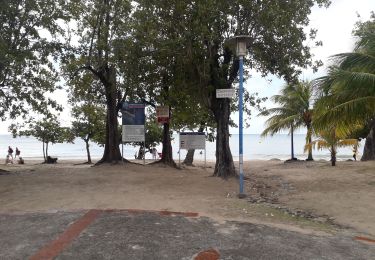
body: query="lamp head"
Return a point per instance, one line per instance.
(239, 43)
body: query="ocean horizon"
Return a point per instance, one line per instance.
(255, 148)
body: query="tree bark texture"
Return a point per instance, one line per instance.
(167, 155)
(88, 151)
(112, 151)
(369, 149)
(224, 166)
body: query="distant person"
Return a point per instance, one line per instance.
(20, 160)
(154, 153)
(10, 152)
(18, 152)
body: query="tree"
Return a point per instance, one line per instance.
(330, 140)
(47, 130)
(89, 124)
(29, 48)
(102, 26)
(294, 112)
(190, 38)
(348, 91)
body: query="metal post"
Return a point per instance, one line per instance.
(240, 107)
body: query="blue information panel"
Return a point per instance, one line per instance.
(133, 113)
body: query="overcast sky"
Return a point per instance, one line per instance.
(334, 25)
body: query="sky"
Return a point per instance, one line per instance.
(334, 24)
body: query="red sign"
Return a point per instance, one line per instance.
(162, 114)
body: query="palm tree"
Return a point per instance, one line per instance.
(349, 89)
(330, 140)
(294, 112)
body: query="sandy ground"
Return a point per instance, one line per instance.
(345, 193)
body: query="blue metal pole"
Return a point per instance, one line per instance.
(240, 107)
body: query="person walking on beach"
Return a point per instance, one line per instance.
(18, 152)
(10, 152)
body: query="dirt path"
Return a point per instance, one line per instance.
(345, 193)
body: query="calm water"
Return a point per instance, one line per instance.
(255, 147)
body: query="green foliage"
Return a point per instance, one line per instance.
(29, 47)
(294, 110)
(89, 122)
(347, 93)
(330, 139)
(47, 130)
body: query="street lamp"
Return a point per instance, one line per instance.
(241, 43)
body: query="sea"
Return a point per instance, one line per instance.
(255, 148)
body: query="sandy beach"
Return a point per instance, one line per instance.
(301, 196)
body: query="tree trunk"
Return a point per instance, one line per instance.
(141, 153)
(47, 150)
(333, 156)
(189, 158)
(292, 142)
(88, 151)
(44, 153)
(167, 155)
(224, 166)
(190, 154)
(309, 157)
(112, 151)
(369, 149)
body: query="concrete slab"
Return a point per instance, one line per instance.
(134, 234)
(22, 235)
(120, 235)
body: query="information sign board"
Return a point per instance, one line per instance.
(192, 140)
(133, 113)
(225, 93)
(133, 133)
(162, 114)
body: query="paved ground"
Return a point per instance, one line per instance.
(97, 234)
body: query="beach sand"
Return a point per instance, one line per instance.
(301, 196)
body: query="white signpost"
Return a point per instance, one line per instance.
(225, 93)
(133, 133)
(162, 114)
(133, 124)
(192, 140)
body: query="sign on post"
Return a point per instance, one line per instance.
(225, 93)
(192, 140)
(162, 114)
(133, 122)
